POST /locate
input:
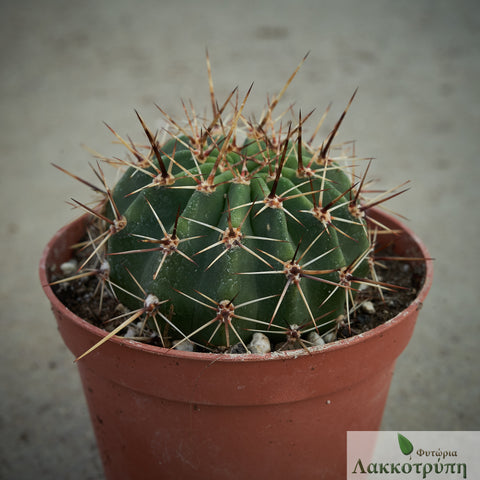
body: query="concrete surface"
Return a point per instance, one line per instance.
(67, 66)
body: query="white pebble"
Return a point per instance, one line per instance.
(183, 345)
(368, 307)
(362, 287)
(131, 332)
(315, 339)
(134, 330)
(259, 344)
(69, 267)
(329, 337)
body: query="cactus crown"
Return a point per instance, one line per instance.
(233, 226)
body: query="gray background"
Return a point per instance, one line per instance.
(67, 66)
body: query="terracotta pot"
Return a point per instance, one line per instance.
(161, 414)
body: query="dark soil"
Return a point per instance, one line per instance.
(408, 276)
(82, 296)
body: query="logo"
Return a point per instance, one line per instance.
(413, 455)
(405, 444)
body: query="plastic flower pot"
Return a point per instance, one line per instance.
(167, 414)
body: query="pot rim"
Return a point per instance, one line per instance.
(246, 357)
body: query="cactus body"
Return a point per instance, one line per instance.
(236, 238)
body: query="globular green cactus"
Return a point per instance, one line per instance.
(232, 226)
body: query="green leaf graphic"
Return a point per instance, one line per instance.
(405, 445)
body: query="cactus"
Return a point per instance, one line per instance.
(231, 226)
